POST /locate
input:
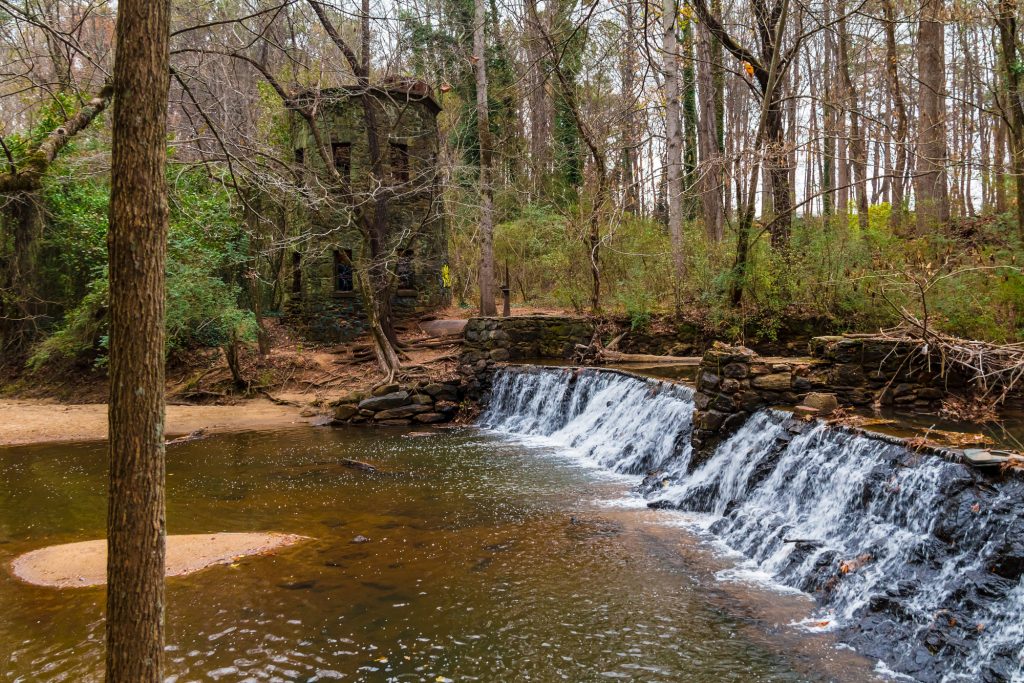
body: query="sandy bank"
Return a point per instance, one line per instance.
(82, 564)
(30, 421)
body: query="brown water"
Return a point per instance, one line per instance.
(488, 560)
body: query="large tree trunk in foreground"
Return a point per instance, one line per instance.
(483, 129)
(137, 243)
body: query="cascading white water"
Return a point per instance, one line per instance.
(866, 526)
(621, 422)
(905, 553)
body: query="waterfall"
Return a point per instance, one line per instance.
(605, 416)
(912, 559)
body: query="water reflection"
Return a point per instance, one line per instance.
(464, 557)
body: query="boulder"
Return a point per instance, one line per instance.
(430, 418)
(385, 389)
(824, 404)
(422, 400)
(730, 386)
(707, 381)
(385, 402)
(721, 354)
(351, 397)
(433, 389)
(499, 354)
(344, 412)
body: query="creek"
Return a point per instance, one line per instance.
(520, 549)
(486, 558)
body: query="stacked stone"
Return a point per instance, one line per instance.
(489, 341)
(397, 405)
(732, 383)
(861, 370)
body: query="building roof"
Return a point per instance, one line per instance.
(396, 89)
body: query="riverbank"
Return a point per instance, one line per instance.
(30, 421)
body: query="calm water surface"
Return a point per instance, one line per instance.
(488, 560)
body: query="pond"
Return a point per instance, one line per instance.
(487, 559)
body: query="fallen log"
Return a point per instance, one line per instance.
(609, 356)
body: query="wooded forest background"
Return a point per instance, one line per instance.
(738, 161)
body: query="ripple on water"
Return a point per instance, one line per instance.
(487, 559)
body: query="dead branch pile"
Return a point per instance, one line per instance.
(994, 368)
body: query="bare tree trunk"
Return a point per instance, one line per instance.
(1014, 98)
(483, 129)
(710, 172)
(998, 169)
(900, 108)
(857, 145)
(829, 125)
(136, 525)
(540, 102)
(22, 221)
(597, 155)
(377, 283)
(630, 186)
(674, 144)
(932, 192)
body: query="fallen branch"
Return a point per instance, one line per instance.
(609, 356)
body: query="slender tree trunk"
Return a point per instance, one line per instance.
(483, 129)
(710, 170)
(600, 166)
(630, 188)
(998, 167)
(931, 188)
(688, 101)
(829, 125)
(858, 145)
(539, 100)
(674, 144)
(137, 242)
(372, 216)
(1014, 99)
(902, 121)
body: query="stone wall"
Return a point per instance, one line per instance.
(492, 340)
(691, 334)
(402, 405)
(337, 317)
(734, 381)
(866, 370)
